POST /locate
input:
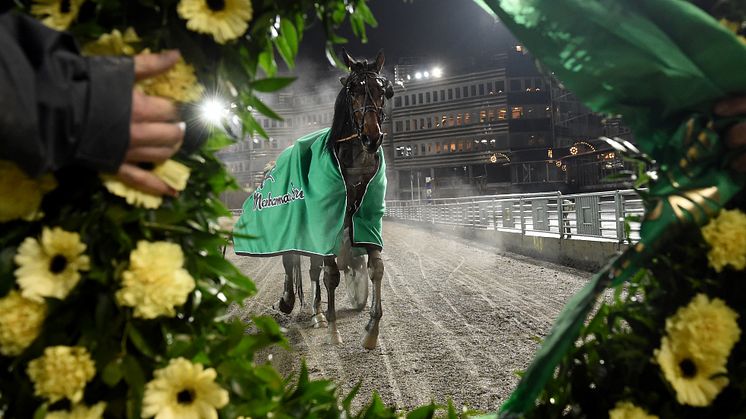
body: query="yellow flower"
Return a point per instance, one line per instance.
(57, 14)
(114, 43)
(696, 381)
(726, 235)
(183, 390)
(50, 267)
(225, 20)
(173, 173)
(708, 328)
(62, 372)
(179, 84)
(155, 282)
(20, 322)
(21, 195)
(627, 410)
(79, 411)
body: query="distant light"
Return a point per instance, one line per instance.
(519, 48)
(426, 74)
(418, 75)
(493, 158)
(409, 77)
(437, 72)
(213, 111)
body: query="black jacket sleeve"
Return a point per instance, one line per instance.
(58, 108)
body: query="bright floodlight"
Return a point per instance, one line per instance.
(437, 72)
(213, 111)
(418, 75)
(427, 75)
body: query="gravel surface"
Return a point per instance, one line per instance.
(459, 320)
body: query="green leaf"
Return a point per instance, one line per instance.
(271, 84)
(133, 373)
(141, 343)
(267, 61)
(218, 140)
(112, 373)
(347, 402)
(263, 109)
(41, 412)
(452, 410)
(423, 412)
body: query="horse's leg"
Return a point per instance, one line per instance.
(287, 301)
(331, 281)
(318, 318)
(375, 269)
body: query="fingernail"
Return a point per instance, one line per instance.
(173, 192)
(182, 126)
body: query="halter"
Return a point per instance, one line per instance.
(379, 110)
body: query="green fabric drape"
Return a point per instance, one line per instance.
(300, 206)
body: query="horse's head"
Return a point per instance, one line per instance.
(367, 91)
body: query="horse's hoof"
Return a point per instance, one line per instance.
(283, 307)
(319, 321)
(370, 341)
(335, 338)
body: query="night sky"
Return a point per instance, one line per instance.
(455, 34)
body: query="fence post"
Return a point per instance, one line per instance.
(520, 212)
(560, 216)
(473, 210)
(619, 213)
(494, 213)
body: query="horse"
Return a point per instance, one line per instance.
(354, 140)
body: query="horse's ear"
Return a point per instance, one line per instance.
(389, 90)
(343, 80)
(380, 58)
(349, 61)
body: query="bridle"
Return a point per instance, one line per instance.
(369, 105)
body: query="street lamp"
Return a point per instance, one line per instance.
(418, 75)
(437, 72)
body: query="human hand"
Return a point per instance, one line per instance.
(156, 133)
(736, 135)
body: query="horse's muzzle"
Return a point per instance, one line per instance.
(371, 145)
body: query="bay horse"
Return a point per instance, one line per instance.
(354, 139)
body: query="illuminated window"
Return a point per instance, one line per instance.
(430, 148)
(516, 112)
(458, 120)
(453, 147)
(502, 113)
(491, 115)
(443, 121)
(460, 146)
(437, 147)
(450, 120)
(482, 116)
(467, 118)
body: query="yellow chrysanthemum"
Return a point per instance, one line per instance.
(183, 390)
(155, 282)
(627, 410)
(20, 322)
(79, 411)
(225, 20)
(21, 195)
(179, 84)
(114, 43)
(57, 14)
(173, 173)
(50, 267)
(61, 373)
(708, 328)
(697, 381)
(726, 235)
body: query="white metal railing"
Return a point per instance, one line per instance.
(587, 216)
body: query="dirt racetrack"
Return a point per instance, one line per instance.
(459, 320)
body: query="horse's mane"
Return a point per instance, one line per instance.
(341, 119)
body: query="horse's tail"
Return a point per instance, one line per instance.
(298, 281)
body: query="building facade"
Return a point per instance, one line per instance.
(505, 130)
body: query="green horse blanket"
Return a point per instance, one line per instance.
(300, 205)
